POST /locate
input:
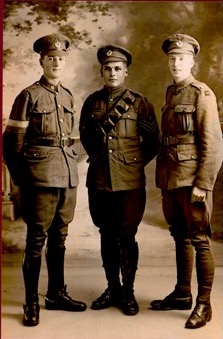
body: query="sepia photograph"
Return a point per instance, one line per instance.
(112, 175)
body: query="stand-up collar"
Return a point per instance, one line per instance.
(184, 83)
(114, 92)
(43, 81)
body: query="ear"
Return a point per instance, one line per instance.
(126, 72)
(101, 71)
(41, 62)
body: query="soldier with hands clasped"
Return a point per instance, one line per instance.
(119, 131)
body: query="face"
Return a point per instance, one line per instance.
(53, 66)
(180, 66)
(114, 73)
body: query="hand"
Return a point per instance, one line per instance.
(198, 194)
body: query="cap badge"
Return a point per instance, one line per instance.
(57, 44)
(179, 44)
(109, 53)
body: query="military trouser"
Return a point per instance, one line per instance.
(191, 229)
(47, 213)
(118, 214)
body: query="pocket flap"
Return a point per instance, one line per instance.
(184, 109)
(68, 109)
(36, 154)
(130, 157)
(44, 108)
(187, 152)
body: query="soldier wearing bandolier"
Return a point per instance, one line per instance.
(187, 165)
(119, 131)
(39, 152)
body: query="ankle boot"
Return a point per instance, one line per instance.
(64, 302)
(31, 314)
(130, 305)
(201, 314)
(177, 300)
(112, 296)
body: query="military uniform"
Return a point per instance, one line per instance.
(190, 156)
(38, 147)
(119, 131)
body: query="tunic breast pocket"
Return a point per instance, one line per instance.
(127, 125)
(43, 119)
(184, 116)
(68, 121)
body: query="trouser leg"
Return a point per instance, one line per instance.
(110, 252)
(184, 264)
(57, 234)
(38, 205)
(204, 267)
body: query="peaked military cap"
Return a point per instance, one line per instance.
(181, 43)
(114, 53)
(56, 44)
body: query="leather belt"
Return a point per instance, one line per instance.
(168, 141)
(63, 142)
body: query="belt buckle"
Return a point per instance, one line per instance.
(170, 141)
(64, 142)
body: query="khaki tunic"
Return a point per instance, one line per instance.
(192, 150)
(118, 155)
(42, 117)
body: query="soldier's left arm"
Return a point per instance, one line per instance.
(149, 130)
(210, 142)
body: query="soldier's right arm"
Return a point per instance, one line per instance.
(91, 135)
(14, 136)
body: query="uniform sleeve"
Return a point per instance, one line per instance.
(90, 132)
(210, 140)
(149, 131)
(14, 136)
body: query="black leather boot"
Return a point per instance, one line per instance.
(181, 297)
(112, 296)
(55, 267)
(201, 314)
(130, 305)
(64, 302)
(31, 314)
(31, 269)
(110, 252)
(129, 262)
(57, 297)
(177, 300)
